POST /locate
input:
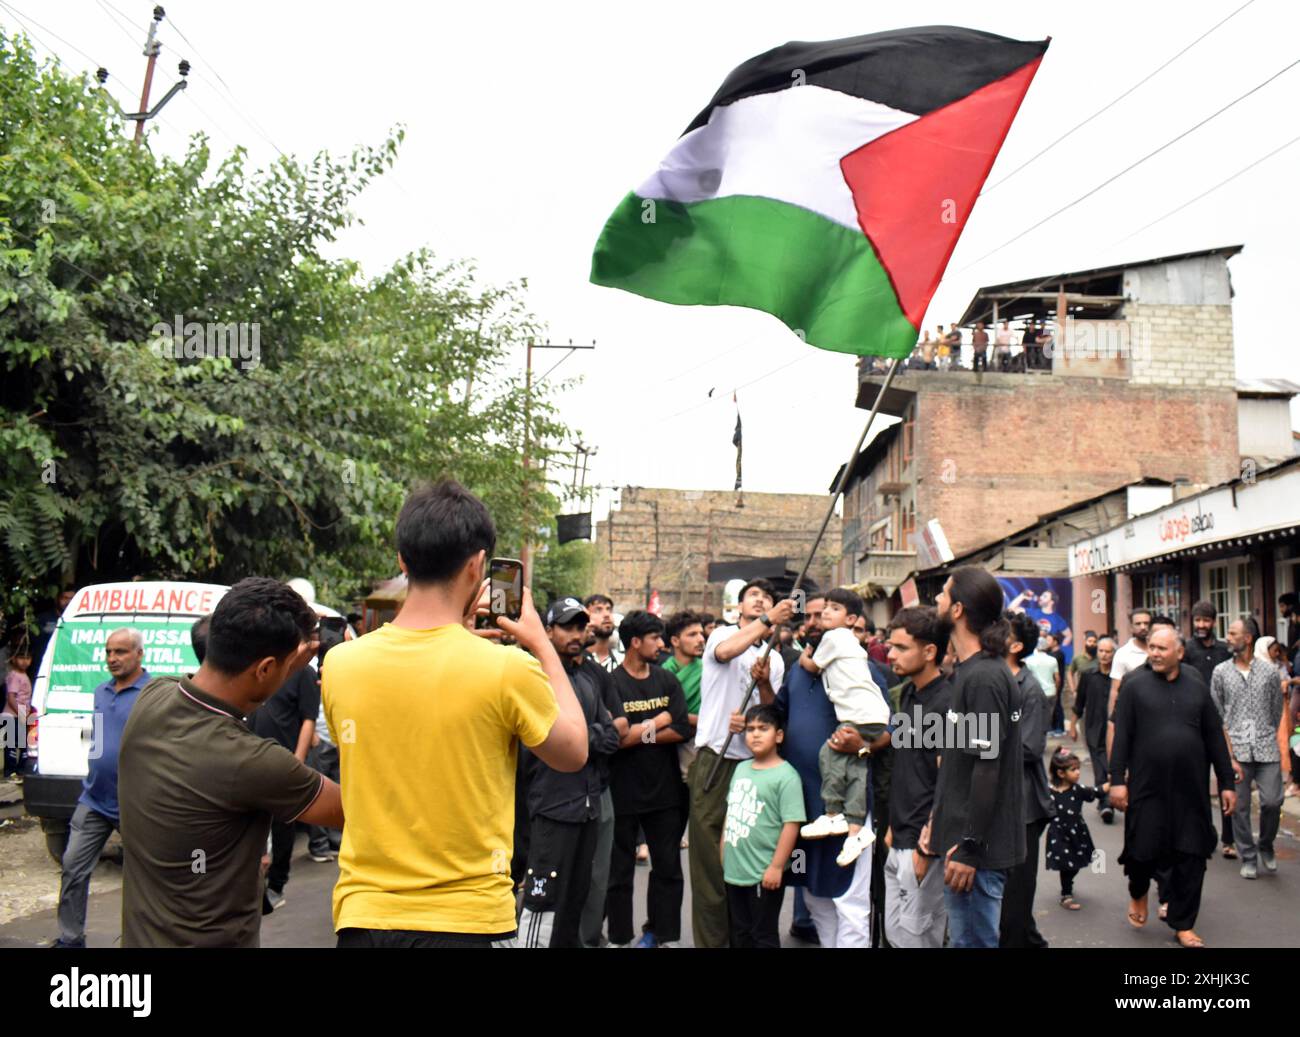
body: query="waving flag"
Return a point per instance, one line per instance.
(826, 183)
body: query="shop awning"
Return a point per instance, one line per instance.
(1242, 513)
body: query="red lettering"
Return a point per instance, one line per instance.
(205, 603)
(189, 600)
(159, 601)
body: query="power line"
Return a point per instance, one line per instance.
(1211, 190)
(50, 50)
(20, 16)
(1116, 101)
(745, 385)
(1131, 167)
(121, 28)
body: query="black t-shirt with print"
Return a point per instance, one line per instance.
(983, 691)
(647, 776)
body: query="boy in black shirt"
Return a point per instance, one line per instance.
(645, 780)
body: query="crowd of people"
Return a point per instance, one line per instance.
(1004, 350)
(486, 794)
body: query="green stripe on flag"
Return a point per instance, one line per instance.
(818, 277)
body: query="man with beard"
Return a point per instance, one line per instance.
(915, 915)
(1132, 653)
(1090, 700)
(1247, 691)
(602, 645)
(838, 899)
(564, 806)
(1167, 736)
(978, 820)
(729, 657)
(1204, 653)
(1017, 927)
(1082, 662)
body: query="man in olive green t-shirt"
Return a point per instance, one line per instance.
(1083, 661)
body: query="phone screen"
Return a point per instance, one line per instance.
(506, 587)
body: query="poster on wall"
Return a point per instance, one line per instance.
(1047, 601)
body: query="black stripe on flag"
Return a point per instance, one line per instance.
(915, 70)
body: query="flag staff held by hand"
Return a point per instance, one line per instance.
(812, 553)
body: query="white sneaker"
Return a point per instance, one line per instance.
(825, 826)
(854, 845)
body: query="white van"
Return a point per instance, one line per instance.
(61, 727)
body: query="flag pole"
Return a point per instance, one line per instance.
(812, 554)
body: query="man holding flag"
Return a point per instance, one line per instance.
(825, 183)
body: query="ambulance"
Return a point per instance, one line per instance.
(62, 726)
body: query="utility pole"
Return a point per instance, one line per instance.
(526, 551)
(152, 48)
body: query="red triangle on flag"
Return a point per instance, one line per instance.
(914, 187)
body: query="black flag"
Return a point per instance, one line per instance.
(736, 441)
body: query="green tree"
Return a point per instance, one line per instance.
(127, 450)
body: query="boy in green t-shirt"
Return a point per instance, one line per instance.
(764, 811)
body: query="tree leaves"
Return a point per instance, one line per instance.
(281, 437)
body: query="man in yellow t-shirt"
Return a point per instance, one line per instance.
(428, 716)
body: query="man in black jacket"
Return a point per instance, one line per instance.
(1204, 652)
(1091, 699)
(1017, 928)
(978, 822)
(564, 808)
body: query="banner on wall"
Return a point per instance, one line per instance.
(1047, 601)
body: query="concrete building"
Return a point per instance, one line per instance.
(1137, 384)
(665, 540)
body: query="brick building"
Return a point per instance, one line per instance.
(1139, 383)
(664, 540)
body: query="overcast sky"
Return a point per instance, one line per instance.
(527, 122)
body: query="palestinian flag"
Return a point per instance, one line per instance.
(826, 183)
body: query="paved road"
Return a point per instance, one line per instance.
(1234, 913)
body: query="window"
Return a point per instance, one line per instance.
(1228, 589)
(1161, 593)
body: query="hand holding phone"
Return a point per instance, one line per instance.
(527, 630)
(506, 587)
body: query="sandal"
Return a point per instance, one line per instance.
(1230, 852)
(1164, 912)
(1187, 938)
(1070, 904)
(1137, 919)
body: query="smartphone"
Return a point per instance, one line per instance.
(506, 587)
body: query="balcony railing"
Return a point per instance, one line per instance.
(886, 568)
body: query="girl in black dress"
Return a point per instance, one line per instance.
(1069, 843)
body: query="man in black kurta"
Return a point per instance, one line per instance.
(1167, 736)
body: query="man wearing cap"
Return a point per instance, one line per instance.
(564, 808)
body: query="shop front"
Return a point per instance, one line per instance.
(1236, 545)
